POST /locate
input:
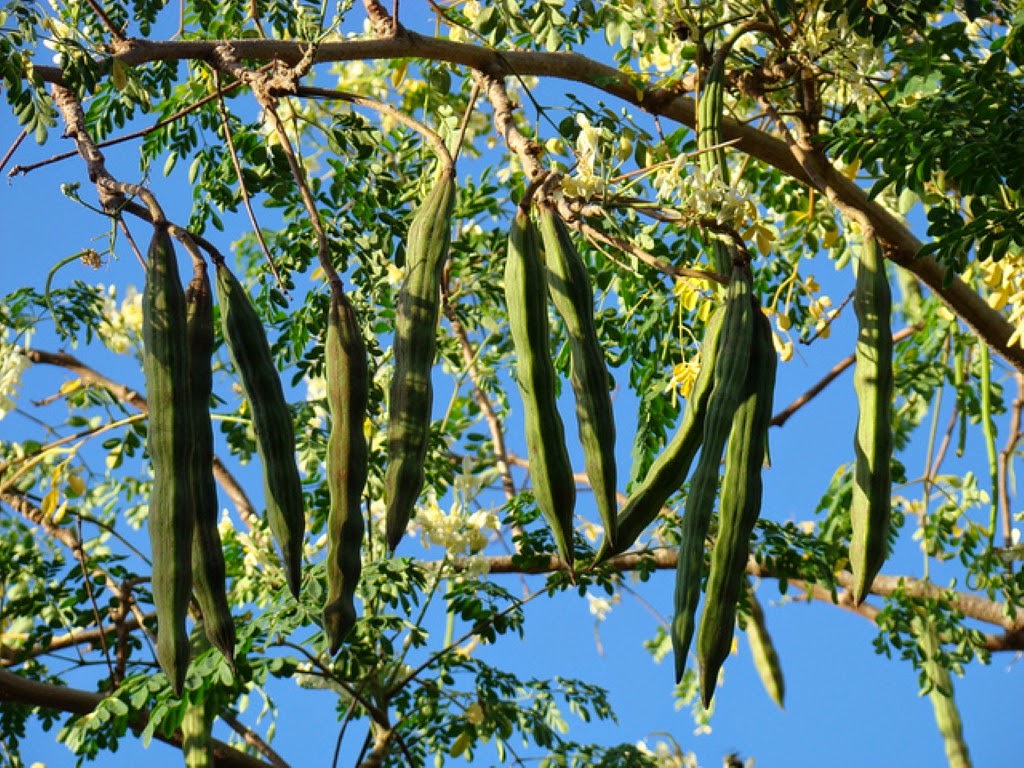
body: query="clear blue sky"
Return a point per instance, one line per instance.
(845, 706)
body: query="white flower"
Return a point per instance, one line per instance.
(121, 327)
(600, 606)
(12, 363)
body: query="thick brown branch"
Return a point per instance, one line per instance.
(15, 689)
(902, 245)
(112, 192)
(87, 637)
(971, 606)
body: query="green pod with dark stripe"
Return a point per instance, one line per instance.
(739, 506)
(416, 318)
(247, 343)
(710, 107)
(871, 503)
(526, 298)
(208, 571)
(171, 444)
(669, 470)
(348, 387)
(730, 373)
(569, 286)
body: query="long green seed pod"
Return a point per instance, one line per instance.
(668, 472)
(762, 650)
(730, 372)
(348, 388)
(526, 297)
(208, 571)
(569, 286)
(197, 735)
(411, 395)
(171, 449)
(940, 693)
(246, 340)
(870, 507)
(710, 106)
(739, 506)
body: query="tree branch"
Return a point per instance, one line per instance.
(663, 558)
(784, 415)
(902, 246)
(15, 689)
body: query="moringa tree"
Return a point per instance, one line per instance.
(684, 151)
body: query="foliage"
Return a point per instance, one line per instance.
(843, 120)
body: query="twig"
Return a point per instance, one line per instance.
(493, 421)
(111, 191)
(11, 657)
(783, 416)
(437, 144)
(828, 321)
(663, 558)
(1013, 435)
(87, 583)
(20, 170)
(253, 739)
(649, 259)
(13, 148)
(101, 14)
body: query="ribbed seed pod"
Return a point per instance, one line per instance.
(208, 572)
(197, 735)
(347, 397)
(246, 340)
(730, 372)
(870, 507)
(417, 314)
(669, 470)
(526, 298)
(171, 446)
(710, 106)
(569, 286)
(739, 506)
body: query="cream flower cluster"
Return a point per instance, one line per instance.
(463, 536)
(121, 328)
(835, 47)
(704, 194)
(12, 363)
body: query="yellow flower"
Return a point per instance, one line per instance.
(684, 374)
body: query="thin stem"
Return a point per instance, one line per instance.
(14, 148)
(237, 165)
(929, 462)
(490, 415)
(253, 739)
(432, 137)
(988, 429)
(227, 481)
